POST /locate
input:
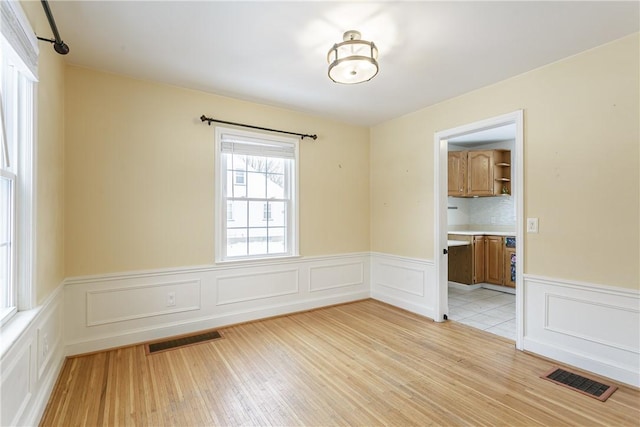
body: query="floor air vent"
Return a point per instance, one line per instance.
(581, 384)
(174, 343)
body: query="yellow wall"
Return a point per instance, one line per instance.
(581, 162)
(139, 175)
(49, 197)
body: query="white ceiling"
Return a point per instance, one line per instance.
(275, 52)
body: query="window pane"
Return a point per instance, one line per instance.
(238, 162)
(275, 186)
(278, 214)
(234, 189)
(277, 244)
(237, 242)
(258, 241)
(256, 163)
(6, 202)
(238, 213)
(239, 191)
(6, 206)
(257, 185)
(256, 214)
(275, 166)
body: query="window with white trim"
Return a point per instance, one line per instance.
(261, 208)
(18, 54)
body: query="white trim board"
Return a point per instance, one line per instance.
(440, 195)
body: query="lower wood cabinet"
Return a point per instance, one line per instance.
(494, 259)
(485, 260)
(478, 259)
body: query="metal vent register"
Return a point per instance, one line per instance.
(182, 342)
(581, 384)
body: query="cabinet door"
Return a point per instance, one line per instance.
(478, 259)
(494, 259)
(510, 267)
(457, 171)
(480, 173)
(460, 260)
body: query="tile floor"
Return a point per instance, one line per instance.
(485, 309)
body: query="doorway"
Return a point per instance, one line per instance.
(475, 136)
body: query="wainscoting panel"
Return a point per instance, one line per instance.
(336, 276)
(120, 309)
(238, 288)
(137, 301)
(589, 326)
(404, 282)
(31, 362)
(16, 384)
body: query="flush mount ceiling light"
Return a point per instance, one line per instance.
(354, 60)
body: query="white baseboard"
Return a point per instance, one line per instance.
(499, 288)
(115, 310)
(30, 366)
(589, 326)
(407, 283)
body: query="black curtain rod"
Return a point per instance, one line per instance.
(301, 135)
(58, 45)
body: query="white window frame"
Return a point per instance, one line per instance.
(20, 50)
(220, 210)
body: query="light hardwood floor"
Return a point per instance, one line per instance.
(364, 363)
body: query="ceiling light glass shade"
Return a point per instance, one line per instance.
(353, 60)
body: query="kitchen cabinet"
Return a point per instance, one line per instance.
(457, 179)
(486, 259)
(479, 173)
(460, 261)
(467, 263)
(494, 260)
(502, 172)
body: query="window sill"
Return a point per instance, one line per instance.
(15, 328)
(257, 261)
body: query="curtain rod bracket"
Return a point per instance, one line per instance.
(204, 118)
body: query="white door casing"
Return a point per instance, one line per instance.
(440, 202)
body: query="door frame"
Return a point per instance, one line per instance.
(440, 204)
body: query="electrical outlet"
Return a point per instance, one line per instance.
(532, 225)
(171, 299)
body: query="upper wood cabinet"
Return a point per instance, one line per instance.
(479, 173)
(457, 165)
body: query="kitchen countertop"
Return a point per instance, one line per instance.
(483, 233)
(451, 243)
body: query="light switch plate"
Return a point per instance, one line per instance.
(532, 225)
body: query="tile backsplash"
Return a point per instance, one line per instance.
(497, 211)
